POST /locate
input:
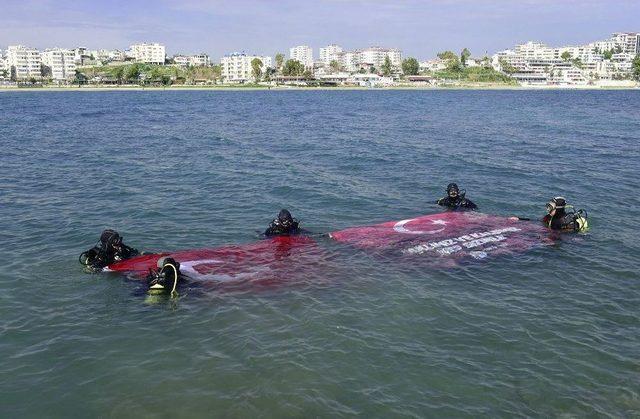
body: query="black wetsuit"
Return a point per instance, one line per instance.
(99, 257)
(457, 203)
(276, 228)
(561, 221)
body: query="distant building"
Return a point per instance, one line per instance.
(433, 65)
(330, 53)
(148, 53)
(302, 53)
(376, 56)
(3, 62)
(59, 64)
(536, 63)
(80, 55)
(628, 41)
(236, 67)
(353, 61)
(349, 60)
(181, 60)
(24, 62)
(107, 56)
(198, 60)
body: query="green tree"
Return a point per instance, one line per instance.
(410, 66)
(268, 73)
(636, 67)
(119, 74)
(577, 62)
(447, 55)
(216, 72)
(618, 49)
(132, 73)
(507, 67)
(386, 66)
(79, 78)
(453, 62)
(607, 55)
(566, 56)
(464, 56)
(307, 74)
(279, 61)
(293, 68)
(256, 69)
(335, 66)
(155, 74)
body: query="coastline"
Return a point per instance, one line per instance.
(488, 86)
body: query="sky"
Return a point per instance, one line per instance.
(419, 28)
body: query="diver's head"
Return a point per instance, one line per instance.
(556, 206)
(452, 190)
(110, 239)
(284, 218)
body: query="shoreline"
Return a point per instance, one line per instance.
(488, 86)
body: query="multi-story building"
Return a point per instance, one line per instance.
(349, 60)
(106, 55)
(80, 55)
(24, 62)
(148, 53)
(181, 60)
(376, 56)
(3, 62)
(629, 42)
(198, 60)
(330, 53)
(600, 60)
(302, 53)
(236, 67)
(432, 65)
(59, 64)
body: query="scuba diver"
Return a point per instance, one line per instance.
(558, 218)
(455, 200)
(108, 250)
(284, 225)
(165, 278)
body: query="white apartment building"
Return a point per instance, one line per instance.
(534, 50)
(330, 53)
(198, 60)
(59, 64)
(148, 53)
(3, 62)
(349, 60)
(432, 65)
(236, 67)
(106, 55)
(375, 56)
(628, 41)
(302, 53)
(24, 62)
(181, 60)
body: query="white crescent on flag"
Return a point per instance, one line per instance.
(399, 227)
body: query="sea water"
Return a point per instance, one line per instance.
(551, 332)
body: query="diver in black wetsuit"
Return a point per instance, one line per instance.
(558, 218)
(110, 249)
(456, 200)
(284, 225)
